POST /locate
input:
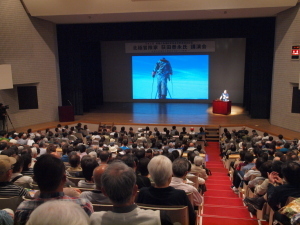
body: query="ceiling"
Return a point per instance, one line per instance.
(103, 11)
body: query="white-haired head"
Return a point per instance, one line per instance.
(58, 212)
(160, 170)
(198, 160)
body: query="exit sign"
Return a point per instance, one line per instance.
(295, 51)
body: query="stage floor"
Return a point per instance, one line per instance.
(188, 114)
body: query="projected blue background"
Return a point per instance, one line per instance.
(189, 80)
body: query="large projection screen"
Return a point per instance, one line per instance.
(188, 72)
(225, 70)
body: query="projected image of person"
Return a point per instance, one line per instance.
(163, 71)
(224, 96)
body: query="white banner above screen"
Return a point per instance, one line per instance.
(170, 46)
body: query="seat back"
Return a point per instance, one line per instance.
(78, 135)
(11, 202)
(190, 197)
(102, 207)
(194, 179)
(177, 214)
(75, 180)
(85, 189)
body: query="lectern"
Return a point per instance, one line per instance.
(221, 107)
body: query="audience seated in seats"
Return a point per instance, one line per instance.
(240, 171)
(75, 169)
(286, 148)
(66, 150)
(96, 196)
(104, 156)
(173, 130)
(119, 184)
(27, 159)
(142, 167)
(191, 147)
(180, 170)
(277, 192)
(49, 174)
(51, 149)
(17, 177)
(141, 153)
(255, 170)
(264, 169)
(82, 150)
(141, 181)
(160, 169)
(72, 214)
(88, 164)
(124, 145)
(197, 168)
(6, 187)
(149, 153)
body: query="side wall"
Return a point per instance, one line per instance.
(29, 45)
(286, 71)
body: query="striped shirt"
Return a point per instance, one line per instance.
(10, 189)
(26, 208)
(28, 172)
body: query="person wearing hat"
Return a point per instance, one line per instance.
(192, 131)
(6, 187)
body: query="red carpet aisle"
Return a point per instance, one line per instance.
(221, 205)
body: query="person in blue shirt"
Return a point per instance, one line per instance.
(224, 96)
(163, 70)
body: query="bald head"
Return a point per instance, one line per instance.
(191, 144)
(98, 171)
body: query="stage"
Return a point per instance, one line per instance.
(181, 114)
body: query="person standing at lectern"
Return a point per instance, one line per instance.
(225, 96)
(163, 70)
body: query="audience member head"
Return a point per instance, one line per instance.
(277, 166)
(119, 184)
(81, 148)
(49, 173)
(51, 148)
(249, 157)
(27, 161)
(104, 156)
(191, 156)
(170, 156)
(259, 161)
(265, 168)
(18, 166)
(175, 153)
(180, 167)
(140, 154)
(50, 213)
(143, 166)
(74, 160)
(160, 169)
(198, 160)
(129, 161)
(6, 167)
(98, 171)
(88, 164)
(290, 172)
